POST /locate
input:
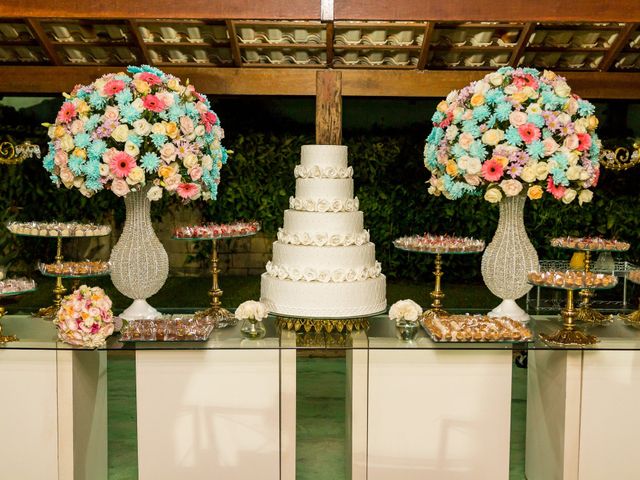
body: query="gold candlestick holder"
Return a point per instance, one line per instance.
(216, 313)
(5, 338)
(58, 290)
(585, 313)
(632, 319)
(437, 294)
(569, 334)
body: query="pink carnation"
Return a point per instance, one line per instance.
(584, 140)
(153, 103)
(121, 164)
(112, 87)
(556, 190)
(492, 170)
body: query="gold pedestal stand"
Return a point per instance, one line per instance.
(437, 294)
(215, 313)
(569, 334)
(318, 325)
(585, 313)
(5, 338)
(58, 291)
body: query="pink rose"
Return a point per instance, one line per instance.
(166, 98)
(119, 187)
(571, 142)
(172, 182)
(77, 126)
(186, 125)
(195, 173)
(61, 158)
(111, 113)
(168, 152)
(571, 106)
(517, 118)
(109, 154)
(550, 146)
(472, 180)
(66, 176)
(465, 140)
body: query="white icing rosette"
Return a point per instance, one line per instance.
(295, 274)
(356, 204)
(336, 205)
(338, 276)
(300, 172)
(323, 205)
(377, 269)
(309, 274)
(349, 239)
(295, 239)
(282, 273)
(308, 205)
(351, 275)
(321, 239)
(330, 172)
(362, 273)
(281, 236)
(324, 276)
(349, 173)
(349, 205)
(314, 172)
(292, 203)
(269, 268)
(306, 239)
(335, 240)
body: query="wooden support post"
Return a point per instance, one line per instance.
(328, 107)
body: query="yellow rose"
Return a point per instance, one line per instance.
(121, 133)
(535, 192)
(493, 195)
(452, 168)
(592, 122)
(158, 128)
(520, 97)
(66, 142)
(82, 107)
(528, 174)
(569, 196)
(542, 170)
(172, 129)
(136, 175)
(493, 136)
(190, 160)
(585, 196)
(141, 86)
(80, 152)
(548, 75)
(496, 79)
(165, 171)
(59, 131)
(173, 84)
(562, 89)
(477, 100)
(442, 106)
(503, 160)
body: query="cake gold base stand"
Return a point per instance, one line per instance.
(318, 325)
(569, 334)
(585, 312)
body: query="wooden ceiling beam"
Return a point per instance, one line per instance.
(43, 40)
(302, 81)
(615, 49)
(523, 39)
(234, 43)
(139, 41)
(426, 45)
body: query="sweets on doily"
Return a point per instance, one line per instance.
(476, 328)
(58, 229)
(166, 329)
(439, 243)
(214, 230)
(16, 285)
(87, 267)
(634, 276)
(590, 243)
(572, 279)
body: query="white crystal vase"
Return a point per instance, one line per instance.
(508, 259)
(139, 262)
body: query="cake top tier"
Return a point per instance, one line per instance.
(324, 156)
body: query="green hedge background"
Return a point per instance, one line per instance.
(389, 181)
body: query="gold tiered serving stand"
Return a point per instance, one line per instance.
(219, 316)
(585, 312)
(570, 333)
(632, 319)
(10, 338)
(437, 295)
(59, 289)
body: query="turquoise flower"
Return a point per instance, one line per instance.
(175, 112)
(54, 179)
(594, 149)
(546, 133)
(146, 68)
(82, 140)
(123, 77)
(491, 121)
(512, 136)
(471, 127)
(96, 149)
(458, 152)
(531, 71)
(552, 101)
(561, 159)
(150, 162)
(493, 96)
(92, 169)
(135, 139)
(97, 101)
(129, 113)
(585, 108)
(481, 112)
(536, 119)
(225, 155)
(164, 115)
(559, 176)
(91, 124)
(48, 161)
(124, 97)
(502, 111)
(190, 109)
(158, 140)
(75, 164)
(456, 189)
(436, 135)
(536, 149)
(94, 184)
(477, 149)
(430, 159)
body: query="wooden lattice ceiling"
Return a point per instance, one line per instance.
(47, 46)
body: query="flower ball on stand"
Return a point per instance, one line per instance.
(515, 134)
(140, 134)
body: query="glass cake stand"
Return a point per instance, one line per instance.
(219, 316)
(437, 294)
(585, 312)
(75, 278)
(570, 334)
(10, 338)
(59, 289)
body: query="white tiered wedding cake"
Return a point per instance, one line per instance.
(323, 262)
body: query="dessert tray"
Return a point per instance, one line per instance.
(16, 286)
(166, 329)
(475, 328)
(83, 269)
(214, 231)
(439, 244)
(58, 229)
(572, 280)
(590, 244)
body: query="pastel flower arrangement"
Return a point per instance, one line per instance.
(405, 310)
(125, 132)
(85, 318)
(514, 132)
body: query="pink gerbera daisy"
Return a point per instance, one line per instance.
(529, 132)
(66, 113)
(188, 190)
(121, 164)
(492, 170)
(150, 78)
(556, 190)
(584, 140)
(153, 103)
(112, 87)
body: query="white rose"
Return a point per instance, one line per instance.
(562, 89)
(569, 195)
(528, 174)
(580, 125)
(474, 166)
(136, 175)
(66, 142)
(119, 187)
(405, 310)
(199, 130)
(295, 239)
(207, 162)
(573, 172)
(550, 146)
(104, 169)
(154, 194)
(330, 172)
(585, 196)
(282, 273)
(141, 127)
(131, 148)
(349, 239)
(534, 108)
(451, 133)
(314, 172)
(493, 195)
(511, 187)
(517, 118)
(481, 87)
(190, 160)
(495, 79)
(121, 133)
(542, 170)
(571, 142)
(493, 136)
(350, 205)
(584, 175)
(138, 105)
(159, 128)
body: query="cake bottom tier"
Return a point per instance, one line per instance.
(326, 300)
